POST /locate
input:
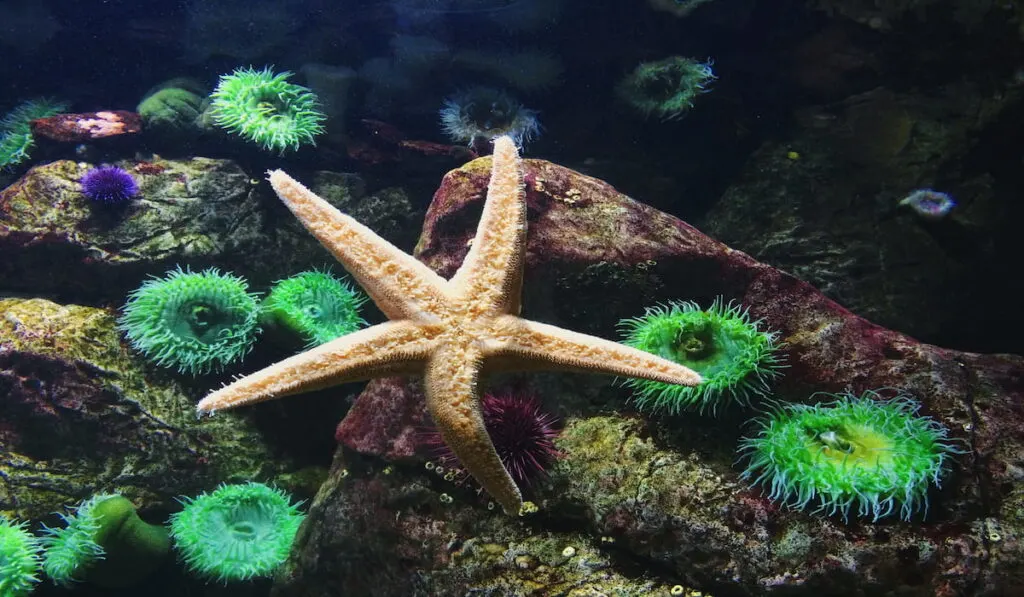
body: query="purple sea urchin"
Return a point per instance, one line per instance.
(109, 185)
(864, 454)
(236, 532)
(523, 434)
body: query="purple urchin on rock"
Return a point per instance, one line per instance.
(523, 434)
(109, 184)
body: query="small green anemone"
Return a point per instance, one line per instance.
(236, 532)
(733, 356)
(19, 559)
(104, 542)
(315, 306)
(864, 454)
(666, 88)
(265, 108)
(197, 322)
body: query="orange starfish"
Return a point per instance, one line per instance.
(450, 332)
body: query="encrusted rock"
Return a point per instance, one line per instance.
(664, 491)
(81, 415)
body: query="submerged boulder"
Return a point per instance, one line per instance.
(659, 497)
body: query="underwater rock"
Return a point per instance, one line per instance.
(198, 212)
(663, 492)
(82, 415)
(87, 126)
(825, 206)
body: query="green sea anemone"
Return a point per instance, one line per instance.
(237, 532)
(19, 559)
(265, 108)
(315, 306)
(666, 88)
(104, 542)
(865, 454)
(733, 356)
(196, 322)
(15, 132)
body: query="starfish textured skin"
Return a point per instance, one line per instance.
(449, 331)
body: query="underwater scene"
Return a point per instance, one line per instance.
(502, 298)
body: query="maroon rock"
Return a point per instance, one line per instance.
(87, 126)
(595, 256)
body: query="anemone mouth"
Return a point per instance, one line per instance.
(734, 357)
(197, 322)
(861, 454)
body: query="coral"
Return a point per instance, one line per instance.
(483, 113)
(733, 356)
(15, 134)
(19, 559)
(109, 184)
(265, 108)
(666, 88)
(104, 542)
(197, 322)
(929, 204)
(237, 532)
(865, 454)
(523, 434)
(314, 305)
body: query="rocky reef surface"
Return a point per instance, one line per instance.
(659, 499)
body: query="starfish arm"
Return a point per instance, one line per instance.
(452, 399)
(492, 273)
(381, 350)
(539, 345)
(401, 286)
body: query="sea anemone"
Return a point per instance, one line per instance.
(315, 306)
(237, 532)
(929, 204)
(265, 108)
(480, 114)
(865, 454)
(15, 131)
(109, 185)
(19, 559)
(733, 356)
(104, 542)
(666, 88)
(197, 322)
(523, 434)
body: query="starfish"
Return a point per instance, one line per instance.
(449, 331)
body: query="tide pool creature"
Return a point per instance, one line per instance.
(863, 454)
(479, 114)
(15, 133)
(522, 431)
(929, 204)
(265, 108)
(236, 532)
(734, 357)
(104, 542)
(19, 559)
(448, 331)
(666, 88)
(109, 185)
(197, 322)
(315, 306)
